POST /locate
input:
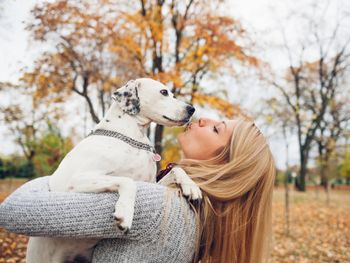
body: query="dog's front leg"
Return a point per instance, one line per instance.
(126, 187)
(178, 176)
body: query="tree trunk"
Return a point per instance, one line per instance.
(286, 179)
(286, 200)
(324, 154)
(327, 194)
(300, 180)
(158, 142)
(84, 93)
(325, 184)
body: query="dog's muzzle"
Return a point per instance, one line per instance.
(177, 121)
(189, 109)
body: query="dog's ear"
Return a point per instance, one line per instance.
(127, 97)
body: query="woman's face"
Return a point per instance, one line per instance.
(203, 139)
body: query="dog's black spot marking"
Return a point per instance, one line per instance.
(135, 102)
(107, 120)
(119, 116)
(117, 93)
(127, 94)
(129, 99)
(136, 105)
(117, 96)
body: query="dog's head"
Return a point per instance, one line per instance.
(154, 101)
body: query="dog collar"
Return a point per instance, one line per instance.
(128, 140)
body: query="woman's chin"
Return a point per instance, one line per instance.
(183, 143)
(180, 138)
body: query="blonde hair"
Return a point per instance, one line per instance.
(235, 214)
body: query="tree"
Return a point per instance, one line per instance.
(2, 169)
(26, 119)
(98, 46)
(309, 87)
(344, 167)
(24, 130)
(53, 148)
(278, 115)
(333, 127)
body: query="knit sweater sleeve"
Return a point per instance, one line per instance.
(35, 211)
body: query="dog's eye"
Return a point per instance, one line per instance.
(164, 92)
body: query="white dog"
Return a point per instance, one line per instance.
(118, 146)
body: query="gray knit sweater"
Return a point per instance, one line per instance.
(163, 228)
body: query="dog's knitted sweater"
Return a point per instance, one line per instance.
(163, 227)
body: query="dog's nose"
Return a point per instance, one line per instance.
(190, 109)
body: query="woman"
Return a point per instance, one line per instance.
(232, 164)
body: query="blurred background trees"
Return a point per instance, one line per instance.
(90, 48)
(313, 88)
(99, 45)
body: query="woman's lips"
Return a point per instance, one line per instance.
(188, 127)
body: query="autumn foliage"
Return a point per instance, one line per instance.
(97, 46)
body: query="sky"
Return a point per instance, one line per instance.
(260, 17)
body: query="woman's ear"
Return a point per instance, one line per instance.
(127, 97)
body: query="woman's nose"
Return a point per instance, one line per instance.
(202, 122)
(206, 121)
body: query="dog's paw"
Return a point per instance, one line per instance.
(191, 190)
(123, 216)
(121, 223)
(188, 186)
